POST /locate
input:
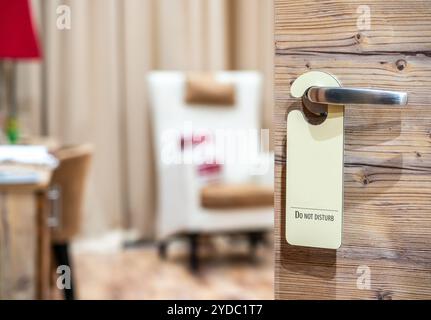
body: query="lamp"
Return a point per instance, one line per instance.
(18, 41)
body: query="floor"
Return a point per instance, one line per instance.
(227, 272)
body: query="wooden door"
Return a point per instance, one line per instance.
(386, 244)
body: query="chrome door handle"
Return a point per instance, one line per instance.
(344, 96)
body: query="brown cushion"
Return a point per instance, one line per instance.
(203, 89)
(225, 196)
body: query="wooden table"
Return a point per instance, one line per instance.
(24, 237)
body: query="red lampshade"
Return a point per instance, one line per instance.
(17, 35)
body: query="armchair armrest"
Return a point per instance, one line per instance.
(263, 170)
(177, 196)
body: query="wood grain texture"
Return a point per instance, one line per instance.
(332, 26)
(43, 258)
(387, 180)
(17, 246)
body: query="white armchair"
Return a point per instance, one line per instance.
(180, 210)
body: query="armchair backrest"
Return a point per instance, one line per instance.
(167, 91)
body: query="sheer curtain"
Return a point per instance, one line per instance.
(91, 85)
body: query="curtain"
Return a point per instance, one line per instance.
(90, 86)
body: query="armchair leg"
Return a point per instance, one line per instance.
(194, 259)
(61, 254)
(162, 248)
(253, 239)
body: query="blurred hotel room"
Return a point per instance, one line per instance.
(104, 105)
